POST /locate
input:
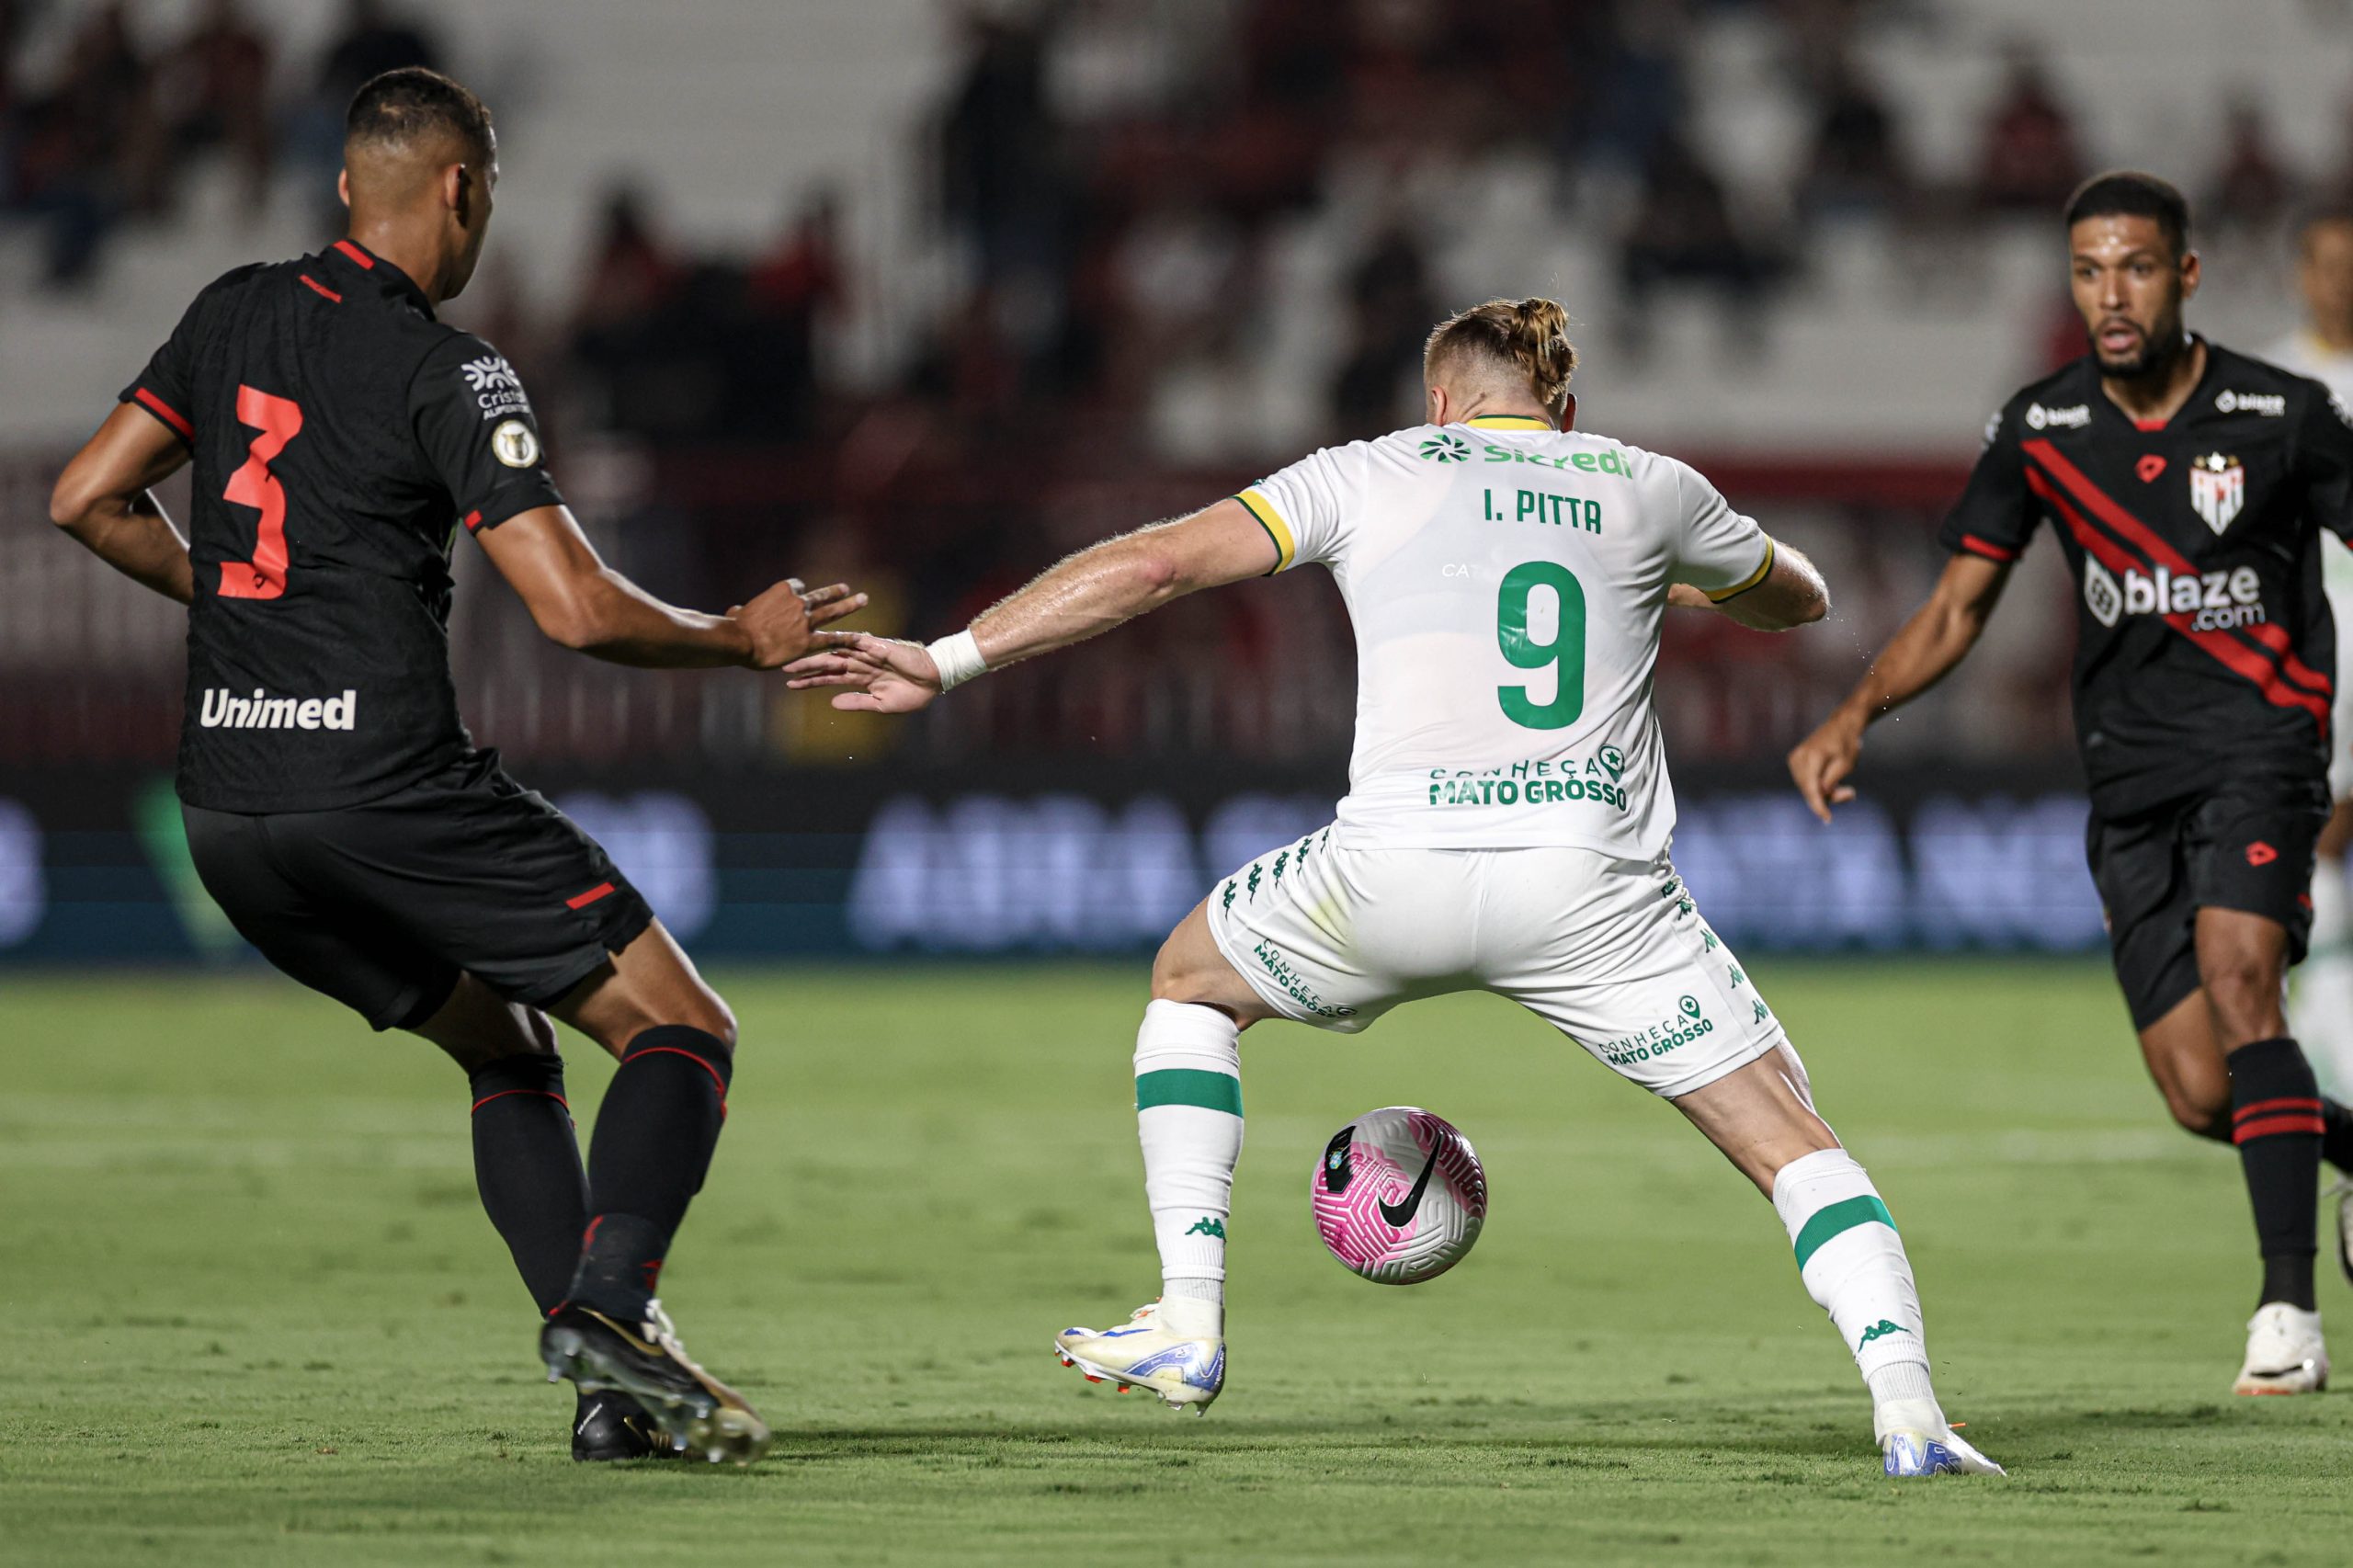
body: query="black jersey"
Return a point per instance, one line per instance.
(2204, 650)
(341, 435)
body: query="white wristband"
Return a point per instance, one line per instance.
(959, 658)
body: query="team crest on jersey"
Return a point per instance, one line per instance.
(1445, 448)
(2217, 489)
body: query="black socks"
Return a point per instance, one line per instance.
(2336, 1135)
(655, 1135)
(2277, 1123)
(526, 1167)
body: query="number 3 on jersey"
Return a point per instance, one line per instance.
(1564, 652)
(278, 420)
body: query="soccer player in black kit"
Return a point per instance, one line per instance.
(2187, 486)
(335, 806)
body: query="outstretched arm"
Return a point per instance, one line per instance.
(1078, 597)
(1791, 594)
(102, 500)
(585, 605)
(1938, 637)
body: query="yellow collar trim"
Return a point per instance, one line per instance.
(1508, 422)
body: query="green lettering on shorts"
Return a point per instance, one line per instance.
(1836, 1219)
(1189, 1086)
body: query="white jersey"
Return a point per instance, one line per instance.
(1506, 581)
(2308, 356)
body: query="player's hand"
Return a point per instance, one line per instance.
(782, 623)
(884, 674)
(1825, 760)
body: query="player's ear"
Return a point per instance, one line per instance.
(1434, 403)
(342, 185)
(454, 192)
(2191, 274)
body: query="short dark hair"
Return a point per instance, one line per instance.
(2128, 193)
(411, 103)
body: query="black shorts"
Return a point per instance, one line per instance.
(382, 905)
(2248, 847)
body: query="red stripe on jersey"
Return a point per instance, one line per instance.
(2273, 1125)
(2151, 425)
(582, 901)
(2240, 658)
(1976, 546)
(356, 253)
(473, 521)
(166, 412)
(320, 288)
(2295, 669)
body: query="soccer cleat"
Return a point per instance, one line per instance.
(2342, 1192)
(1933, 1453)
(609, 1425)
(1187, 1372)
(696, 1412)
(2284, 1353)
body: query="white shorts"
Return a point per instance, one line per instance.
(1613, 953)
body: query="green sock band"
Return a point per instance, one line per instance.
(1189, 1086)
(1839, 1218)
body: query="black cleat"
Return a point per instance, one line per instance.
(611, 1426)
(696, 1411)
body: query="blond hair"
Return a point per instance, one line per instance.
(1527, 339)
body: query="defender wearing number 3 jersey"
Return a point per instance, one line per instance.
(1505, 826)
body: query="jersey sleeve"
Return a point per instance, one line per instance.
(1995, 514)
(1718, 551)
(164, 387)
(1304, 507)
(2325, 462)
(474, 423)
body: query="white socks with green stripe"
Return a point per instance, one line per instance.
(1189, 1118)
(1853, 1265)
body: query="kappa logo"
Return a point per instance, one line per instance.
(1880, 1330)
(1207, 1225)
(2217, 489)
(1445, 448)
(2075, 416)
(2268, 405)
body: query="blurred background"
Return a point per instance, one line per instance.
(924, 293)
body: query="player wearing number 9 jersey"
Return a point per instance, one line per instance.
(1505, 826)
(342, 438)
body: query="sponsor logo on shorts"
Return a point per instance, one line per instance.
(221, 710)
(2260, 854)
(1278, 967)
(1689, 1022)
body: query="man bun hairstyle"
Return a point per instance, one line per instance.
(408, 108)
(1526, 337)
(2128, 193)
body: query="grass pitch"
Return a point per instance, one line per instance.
(256, 1316)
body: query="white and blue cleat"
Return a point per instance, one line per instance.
(1185, 1371)
(1924, 1453)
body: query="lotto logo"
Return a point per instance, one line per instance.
(2260, 854)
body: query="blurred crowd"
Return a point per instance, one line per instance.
(1117, 187)
(107, 134)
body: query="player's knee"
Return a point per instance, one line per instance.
(2198, 1115)
(2243, 992)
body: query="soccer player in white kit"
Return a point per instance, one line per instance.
(2320, 1008)
(1505, 826)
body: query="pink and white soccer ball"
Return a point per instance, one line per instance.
(1399, 1195)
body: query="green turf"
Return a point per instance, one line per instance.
(255, 1317)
